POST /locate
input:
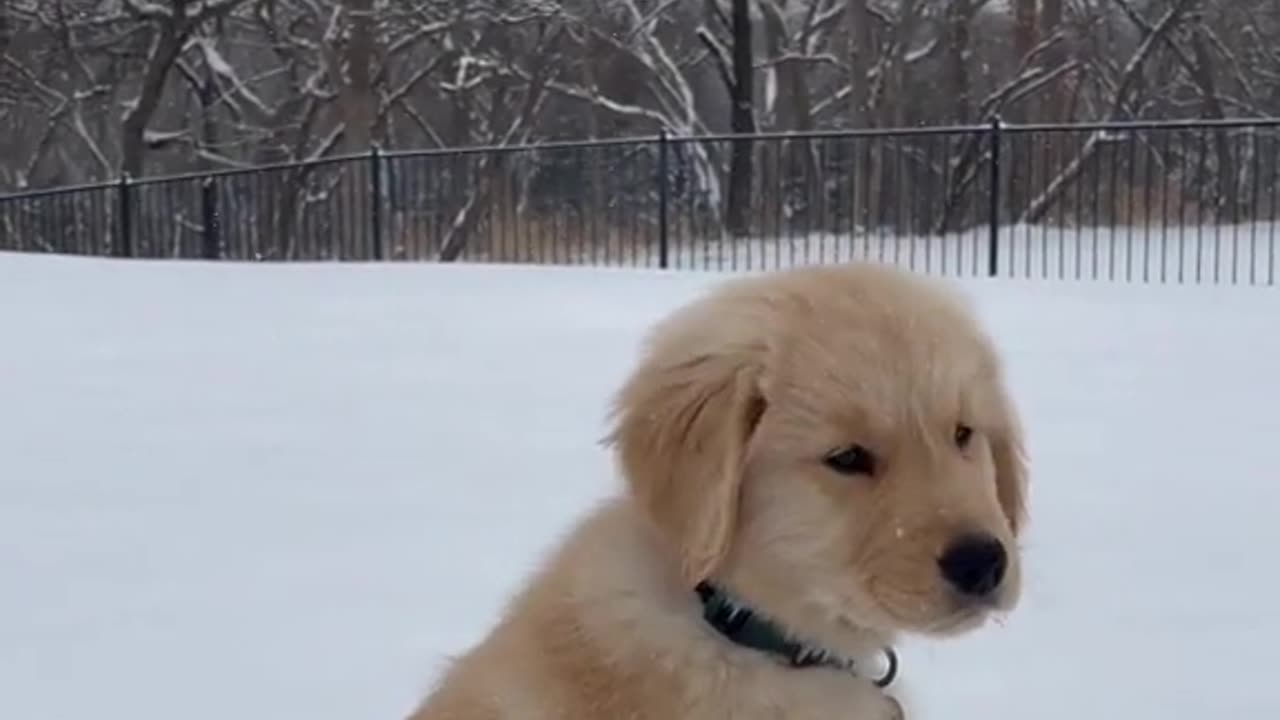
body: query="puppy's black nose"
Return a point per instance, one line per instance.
(974, 564)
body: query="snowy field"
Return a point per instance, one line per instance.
(285, 492)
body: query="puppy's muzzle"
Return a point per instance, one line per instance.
(974, 565)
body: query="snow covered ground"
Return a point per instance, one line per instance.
(276, 492)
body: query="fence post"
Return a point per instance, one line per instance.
(993, 240)
(664, 249)
(124, 246)
(211, 249)
(375, 201)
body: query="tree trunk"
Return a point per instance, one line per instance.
(1024, 39)
(1225, 200)
(1054, 101)
(958, 59)
(359, 106)
(861, 54)
(164, 52)
(742, 94)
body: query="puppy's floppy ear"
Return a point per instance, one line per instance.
(682, 424)
(1009, 456)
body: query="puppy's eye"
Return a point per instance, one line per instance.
(963, 435)
(853, 460)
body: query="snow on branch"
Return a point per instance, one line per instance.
(1042, 203)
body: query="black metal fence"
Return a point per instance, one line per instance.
(1141, 202)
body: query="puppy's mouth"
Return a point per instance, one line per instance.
(964, 619)
(936, 617)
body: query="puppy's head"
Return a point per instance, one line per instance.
(835, 446)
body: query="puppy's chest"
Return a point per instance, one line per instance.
(791, 694)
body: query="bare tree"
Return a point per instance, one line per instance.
(736, 67)
(168, 26)
(1120, 99)
(90, 90)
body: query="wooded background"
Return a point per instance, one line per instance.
(91, 89)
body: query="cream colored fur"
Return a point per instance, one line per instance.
(721, 432)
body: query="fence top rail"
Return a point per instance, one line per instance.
(60, 190)
(1205, 124)
(625, 141)
(253, 170)
(840, 134)
(1123, 125)
(633, 141)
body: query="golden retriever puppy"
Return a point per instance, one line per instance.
(815, 461)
